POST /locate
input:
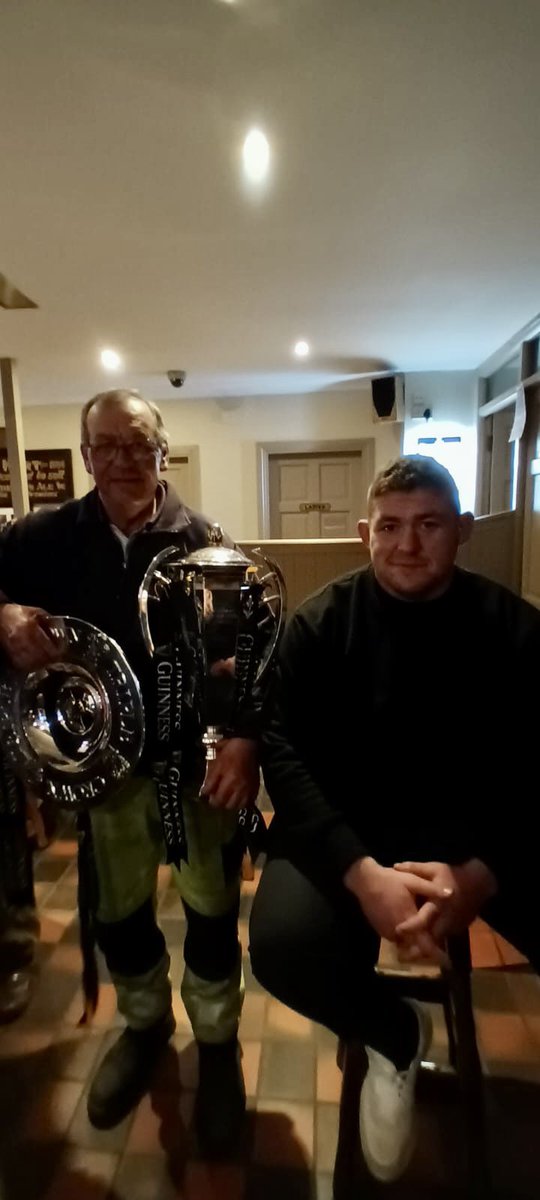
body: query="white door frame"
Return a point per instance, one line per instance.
(265, 449)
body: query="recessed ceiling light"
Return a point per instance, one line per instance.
(256, 156)
(110, 360)
(302, 349)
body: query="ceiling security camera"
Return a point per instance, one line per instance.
(177, 378)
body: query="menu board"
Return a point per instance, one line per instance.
(50, 477)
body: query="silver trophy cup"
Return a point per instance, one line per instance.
(226, 611)
(211, 621)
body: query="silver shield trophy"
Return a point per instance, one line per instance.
(73, 730)
(211, 621)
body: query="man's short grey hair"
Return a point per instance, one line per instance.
(119, 396)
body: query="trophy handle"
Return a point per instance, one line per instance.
(276, 602)
(155, 582)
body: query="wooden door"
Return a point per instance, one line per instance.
(316, 495)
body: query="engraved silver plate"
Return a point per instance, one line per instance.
(75, 729)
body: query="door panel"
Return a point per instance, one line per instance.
(299, 525)
(335, 525)
(183, 472)
(297, 485)
(297, 482)
(335, 482)
(179, 475)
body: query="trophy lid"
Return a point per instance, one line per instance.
(216, 555)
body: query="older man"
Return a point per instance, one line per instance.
(87, 560)
(400, 811)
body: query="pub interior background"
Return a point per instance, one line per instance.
(395, 232)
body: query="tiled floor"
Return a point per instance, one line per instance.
(50, 1151)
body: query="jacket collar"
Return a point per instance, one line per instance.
(171, 513)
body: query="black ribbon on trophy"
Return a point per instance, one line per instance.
(249, 649)
(247, 645)
(175, 702)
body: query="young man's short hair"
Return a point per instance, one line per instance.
(411, 472)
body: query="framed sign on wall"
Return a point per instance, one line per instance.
(50, 477)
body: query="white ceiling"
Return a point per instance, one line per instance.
(400, 226)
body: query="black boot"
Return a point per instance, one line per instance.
(126, 1072)
(220, 1103)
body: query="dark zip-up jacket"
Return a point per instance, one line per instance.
(404, 730)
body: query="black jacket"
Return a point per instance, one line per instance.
(402, 729)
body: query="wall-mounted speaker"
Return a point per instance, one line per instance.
(388, 398)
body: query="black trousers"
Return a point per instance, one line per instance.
(313, 949)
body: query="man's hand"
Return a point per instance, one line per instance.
(470, 887)
(27, 637)
(232, 779)
(388, 899)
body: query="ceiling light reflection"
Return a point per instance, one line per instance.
(111, 360)
(256, 156)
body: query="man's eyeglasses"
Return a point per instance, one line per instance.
(140, 451)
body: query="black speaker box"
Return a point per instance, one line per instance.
(383, 392)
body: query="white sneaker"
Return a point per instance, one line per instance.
(387, 1106)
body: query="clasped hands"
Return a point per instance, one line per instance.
(417, 905)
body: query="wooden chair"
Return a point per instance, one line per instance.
(452, 989)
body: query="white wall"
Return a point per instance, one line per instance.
(227, 432)
(452, 397)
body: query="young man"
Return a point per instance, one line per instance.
(87, 560)
(400, 811)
